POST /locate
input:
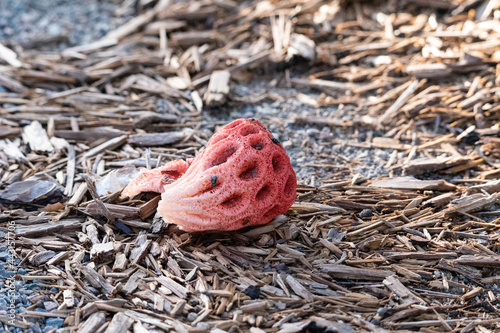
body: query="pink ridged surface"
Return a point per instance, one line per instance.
(243, 178)
(155, 180)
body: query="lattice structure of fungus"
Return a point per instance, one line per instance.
(243, 178)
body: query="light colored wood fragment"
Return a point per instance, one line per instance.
(93, 323)
(120, 263)
(102, 252)
(68, 297)
(299, 289)
(254, 307)
(78, 194)
(110, 144)
(37, 137)
(70, 171)
(156, 139)
(97, 280)
(132, 282)
(394, 108)
(176, 288)
(9, 56)
(119, 323)
(145, 318)
(141, 249)
(218, 87)
(406, 296)
(429, 71)
(411, 183)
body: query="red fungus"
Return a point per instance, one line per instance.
(243, 178)
(155, 180)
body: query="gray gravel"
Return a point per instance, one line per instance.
(56, 24)
(22, 290)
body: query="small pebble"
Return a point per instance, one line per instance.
(54, 29)
(381, 311)
(48, 328)
(280, 306)
(94, 290)
(366, 213)
(325, 133)
(56, 322)
(217, 330)
(282, 268)
(313, 132)
(4, 255)
(49, 306)
(203, 325)
(192, 316)
(253, 292)
(161, 106)
(35, 328)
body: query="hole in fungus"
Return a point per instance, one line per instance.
(232, 201)
(222, 157)
(250, 172)
(258, 146)
(173, 173)
(170, 175)
(289, 187)
(247, 130)
(264, 193)
(277, 163)
(256, 142)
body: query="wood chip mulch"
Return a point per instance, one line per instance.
(417, 249)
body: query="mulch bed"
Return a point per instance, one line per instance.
(416, 249)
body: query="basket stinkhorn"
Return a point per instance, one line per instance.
(243, 178)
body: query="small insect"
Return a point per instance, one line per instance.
(276, 141)
(253, 119)
(246, 222)
(214, 181)
(254, 174)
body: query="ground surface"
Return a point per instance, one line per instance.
(360, 94)
(57, 24)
